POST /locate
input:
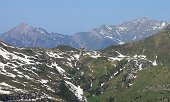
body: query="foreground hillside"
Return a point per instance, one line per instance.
(134, 72)
(152, 84)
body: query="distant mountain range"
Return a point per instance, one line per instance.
(25, 35)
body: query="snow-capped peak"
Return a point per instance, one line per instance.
(163, 24)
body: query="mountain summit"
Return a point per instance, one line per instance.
(23, 27)
(25, 35)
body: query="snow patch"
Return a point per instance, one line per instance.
(51, 54)
(163, 24)
(154, 62)
(77, 56)
(120, 42)
(110, 37)
(6, 85)
(140, 67)
(77, 91)
(121, 28)
(120, 55)
(118, 32)
(102, 84)
(44, 81)
(116, 73)
(130, 84)
(110, 28)
(60, 70)
(134, 38)
(101, 32)
(95, 55)
(4, 92)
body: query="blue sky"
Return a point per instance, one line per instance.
(71, 16)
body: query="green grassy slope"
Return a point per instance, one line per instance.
(152, 84)
(149, 86)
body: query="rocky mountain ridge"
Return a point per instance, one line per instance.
(25, 35)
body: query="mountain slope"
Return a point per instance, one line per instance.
(154, 46)
(59, 74)
(36, 75)
(27, 36)
(152, 83)
(131, 31)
